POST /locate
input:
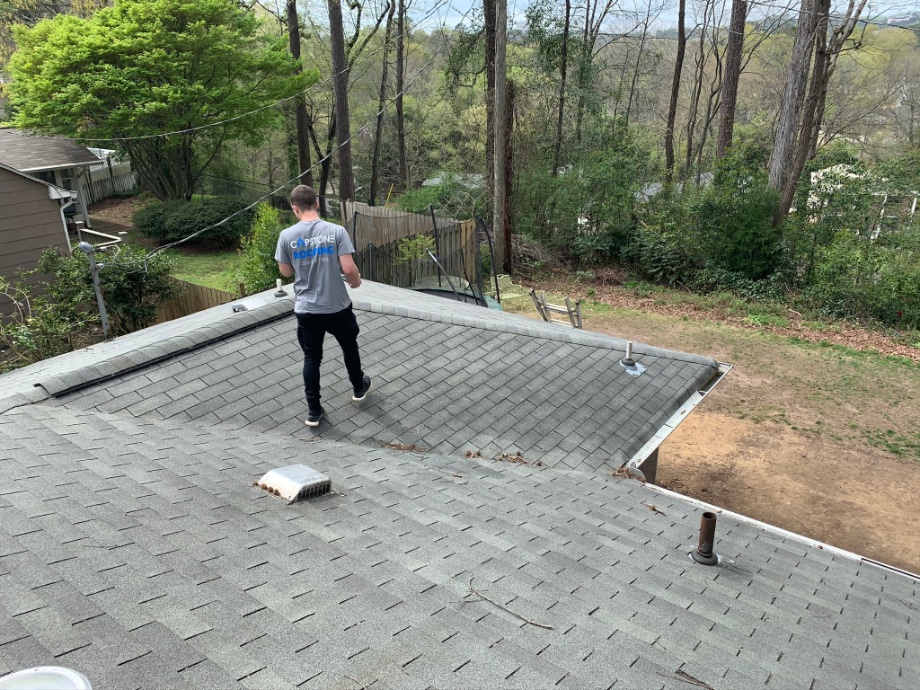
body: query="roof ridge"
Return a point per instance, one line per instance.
(522, 325)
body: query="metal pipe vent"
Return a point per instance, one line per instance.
(295, 483)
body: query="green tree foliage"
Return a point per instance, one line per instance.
(58, 313)
(145, 67)
(258, 269)
(589, 208)
(733, 217)
(168, 221)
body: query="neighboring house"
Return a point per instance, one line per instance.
(135, 549)
(56, 160)
(31, 221)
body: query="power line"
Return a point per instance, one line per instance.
(874, 22)
(319, 162)
(188, 130)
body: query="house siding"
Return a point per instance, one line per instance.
(30, 222)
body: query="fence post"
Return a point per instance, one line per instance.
(437, 238)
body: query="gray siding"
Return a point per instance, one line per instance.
(30, 222)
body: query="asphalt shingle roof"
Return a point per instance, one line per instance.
(31, 153)
(441, 386)
(134, 548)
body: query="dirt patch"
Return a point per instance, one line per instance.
(821, 441)
(118, 210)
(824, 490)
(790, 436)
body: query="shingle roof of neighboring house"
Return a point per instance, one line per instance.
(33, 153)
(134, 549)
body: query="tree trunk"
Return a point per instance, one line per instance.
(675, 93)
(563, 67)
(790, 113)
(340, 84)
(733, 53)
(488, 13)
(300, 106)
(810, 112)
(400, 85)
(509, 175)
(635, 76)
(381, 105)
(501, 106)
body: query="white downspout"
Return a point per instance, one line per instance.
(64, 222)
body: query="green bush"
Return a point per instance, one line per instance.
(168, 221)
(860, 278)
(733, 219)
(258, 269)
(58, 312)
(588, 209)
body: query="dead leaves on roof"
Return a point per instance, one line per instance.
(407, 447)
(624, 473)
(654, 508)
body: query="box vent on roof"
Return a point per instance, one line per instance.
(295, 483)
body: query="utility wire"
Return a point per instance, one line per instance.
(319, 162)
(188, 130)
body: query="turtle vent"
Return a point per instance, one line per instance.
(295, 483)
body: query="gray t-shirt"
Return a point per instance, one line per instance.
(313, 248)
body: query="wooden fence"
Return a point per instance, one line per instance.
(193, 298)
(376, 231)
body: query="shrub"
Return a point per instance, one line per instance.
(169, 221)
(733, 219)
(57, 314)
(258, 269)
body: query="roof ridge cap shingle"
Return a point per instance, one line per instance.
(543, 330)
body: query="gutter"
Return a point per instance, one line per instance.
(786, 534)
(60, 194)
(646, 458)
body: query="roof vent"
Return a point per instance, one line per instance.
(632, 367)
(295, 483)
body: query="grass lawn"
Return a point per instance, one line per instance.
(214, 270)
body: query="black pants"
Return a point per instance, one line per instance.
(311, 330)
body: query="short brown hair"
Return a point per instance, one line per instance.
(303, 197)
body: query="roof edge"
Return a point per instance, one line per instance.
(256, 313)
(794, 536)
(520, 325)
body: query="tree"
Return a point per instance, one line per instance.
(675, 92)
(300, 106)
(381, 104)
(790, 113)
(733, 54)
(144, 67)
(501, 231)
(340, 84)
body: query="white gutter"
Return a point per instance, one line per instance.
(645, 452)
(786, 534)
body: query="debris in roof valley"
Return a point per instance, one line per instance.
(135, 550)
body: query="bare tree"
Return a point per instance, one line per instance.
(302, 122)
(675, 92)
(401, 39)
(787, 128)
(500, 201)
(563, 67)
(488, 18)
(733, 54)
(381, 103)
(340, 86)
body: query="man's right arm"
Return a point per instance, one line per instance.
(350, 269)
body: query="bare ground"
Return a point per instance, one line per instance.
(819, 440)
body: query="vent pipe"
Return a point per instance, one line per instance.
(704, 553)
(280, 292)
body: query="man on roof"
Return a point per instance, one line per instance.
(317, 253)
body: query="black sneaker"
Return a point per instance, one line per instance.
(361, 393)
(314, 417)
